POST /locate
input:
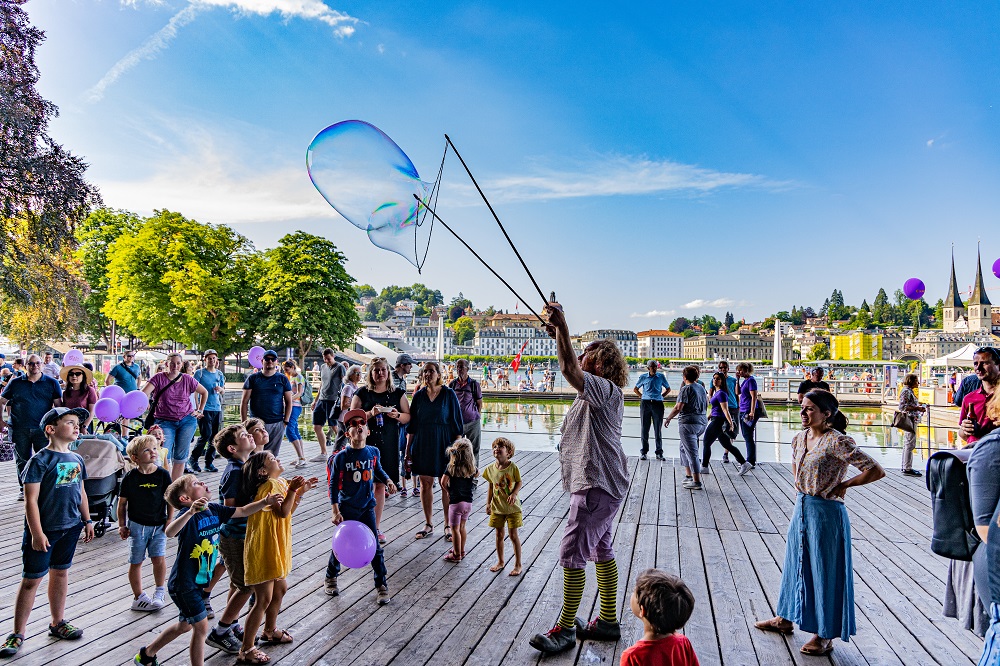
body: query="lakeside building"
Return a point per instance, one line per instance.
(973, 317)
(739, 346)
(856, 346)
(425, 338)
(627, 341)
(508, 340)
(659, 343)
(934, 344)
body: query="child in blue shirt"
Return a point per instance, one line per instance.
(353, 473)
(56, 511)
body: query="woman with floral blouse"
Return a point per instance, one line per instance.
(817, 582)
(908, 405)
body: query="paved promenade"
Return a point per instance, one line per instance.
(727, 542)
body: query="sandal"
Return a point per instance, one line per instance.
(279, 638)
(424, 533)
(826, 648)
(65, 630)
(404, 492)
(416, 492)
(777, 625)
(447, 533)
(450, 556)
(254, 656)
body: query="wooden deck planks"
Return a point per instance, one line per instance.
(726, 542)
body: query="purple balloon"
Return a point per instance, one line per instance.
(256, 357)
(114, 392)
(996, 268)
(354, 544)
(106, 410)
(73, 357)
(134, 404)
(914, 289)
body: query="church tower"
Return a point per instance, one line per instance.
(954, 309)
(980, 310)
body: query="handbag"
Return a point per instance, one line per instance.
(903, 421)
(147, 422)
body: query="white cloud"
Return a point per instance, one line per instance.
(622, 175)
(703, 303)
(315, 10)
(651, 314)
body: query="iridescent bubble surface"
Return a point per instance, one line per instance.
(371, 182)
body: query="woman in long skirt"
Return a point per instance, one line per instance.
(817, 582)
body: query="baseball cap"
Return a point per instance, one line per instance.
(270, 352)
(209, 351)
(354, 414)
(403, 359)
(57, 413)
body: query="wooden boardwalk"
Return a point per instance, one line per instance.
(727, 542)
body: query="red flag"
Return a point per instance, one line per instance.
(517, 359)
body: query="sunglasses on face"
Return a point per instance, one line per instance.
(75, 374)
(356, 423)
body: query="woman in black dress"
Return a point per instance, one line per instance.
(386, 407)
(435, 422)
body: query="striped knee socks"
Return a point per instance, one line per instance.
(607, 587)
(573, 583)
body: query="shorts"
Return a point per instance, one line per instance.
(231, 550)
(275, 433)
(588, 532)
(458, 512)
(62, 546)
(145, 539)
(326, 412)
(190, 605)
(513, 520)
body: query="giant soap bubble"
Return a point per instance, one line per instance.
(365, 176)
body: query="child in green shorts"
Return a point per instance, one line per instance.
(502, 503)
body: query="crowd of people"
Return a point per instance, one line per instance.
(379, 438)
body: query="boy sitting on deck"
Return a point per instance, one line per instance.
(664, 604)
(55, 511)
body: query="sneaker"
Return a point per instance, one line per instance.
(226, 642)
(383, 595)
(557, 639)
(692, 485)
(188, 470)
(598, 630)
(20, 498)
(659, 456)
(143, 659)
(744, 468)
(143, 603)
(705, 469)
(331, 587)
(193, 466)
(404, 492)
(911, 472)
(642, 456)
(211, 468)
(65, 630)
(381, 538)
(160, 598)
(725, 457)
(11, 645)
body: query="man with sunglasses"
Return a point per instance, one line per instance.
(125, 374)
(974, 422)
(29, 397)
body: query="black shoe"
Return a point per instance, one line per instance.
(643, 457)
(211, 468)
(192, 467)
(911, 472)
(598, 630)
(554, 640)
(659, 456)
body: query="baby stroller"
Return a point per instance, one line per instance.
(105, 469)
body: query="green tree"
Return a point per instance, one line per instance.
(386, 312)
(465, 330)
(308, 294)
(365, 291)
(819, 352)
(939, 313)
(679, 325)
(178, 279)
(95, 235)
(455, 312)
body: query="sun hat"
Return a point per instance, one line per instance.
(88, 376)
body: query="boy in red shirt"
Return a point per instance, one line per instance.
(664, 604)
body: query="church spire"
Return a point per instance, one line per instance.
(953, 300)
(979, 296)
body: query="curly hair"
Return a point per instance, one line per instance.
(612, 362)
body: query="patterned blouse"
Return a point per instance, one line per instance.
(821, 469)
(908, 402)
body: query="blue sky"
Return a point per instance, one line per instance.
(650, 160)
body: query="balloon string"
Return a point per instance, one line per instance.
(497, 218)
(433, 197)
(476, 255)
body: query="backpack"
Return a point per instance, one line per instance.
(307, 393)
(954, 534)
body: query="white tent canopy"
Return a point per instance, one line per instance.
(958, 358)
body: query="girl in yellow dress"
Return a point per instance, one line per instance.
(267, 552)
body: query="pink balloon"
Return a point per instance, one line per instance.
(73, 357)
(106, 410)
(134, 404)
(354, 544)
(114, 392)
(914, 289)
(256, 357)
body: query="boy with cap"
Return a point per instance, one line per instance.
(56, 511)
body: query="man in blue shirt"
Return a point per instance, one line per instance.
(30, 397)
(652, 387)
(268, 394)
(210, 422)
(125, 374)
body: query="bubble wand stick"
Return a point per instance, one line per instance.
(481, 260)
